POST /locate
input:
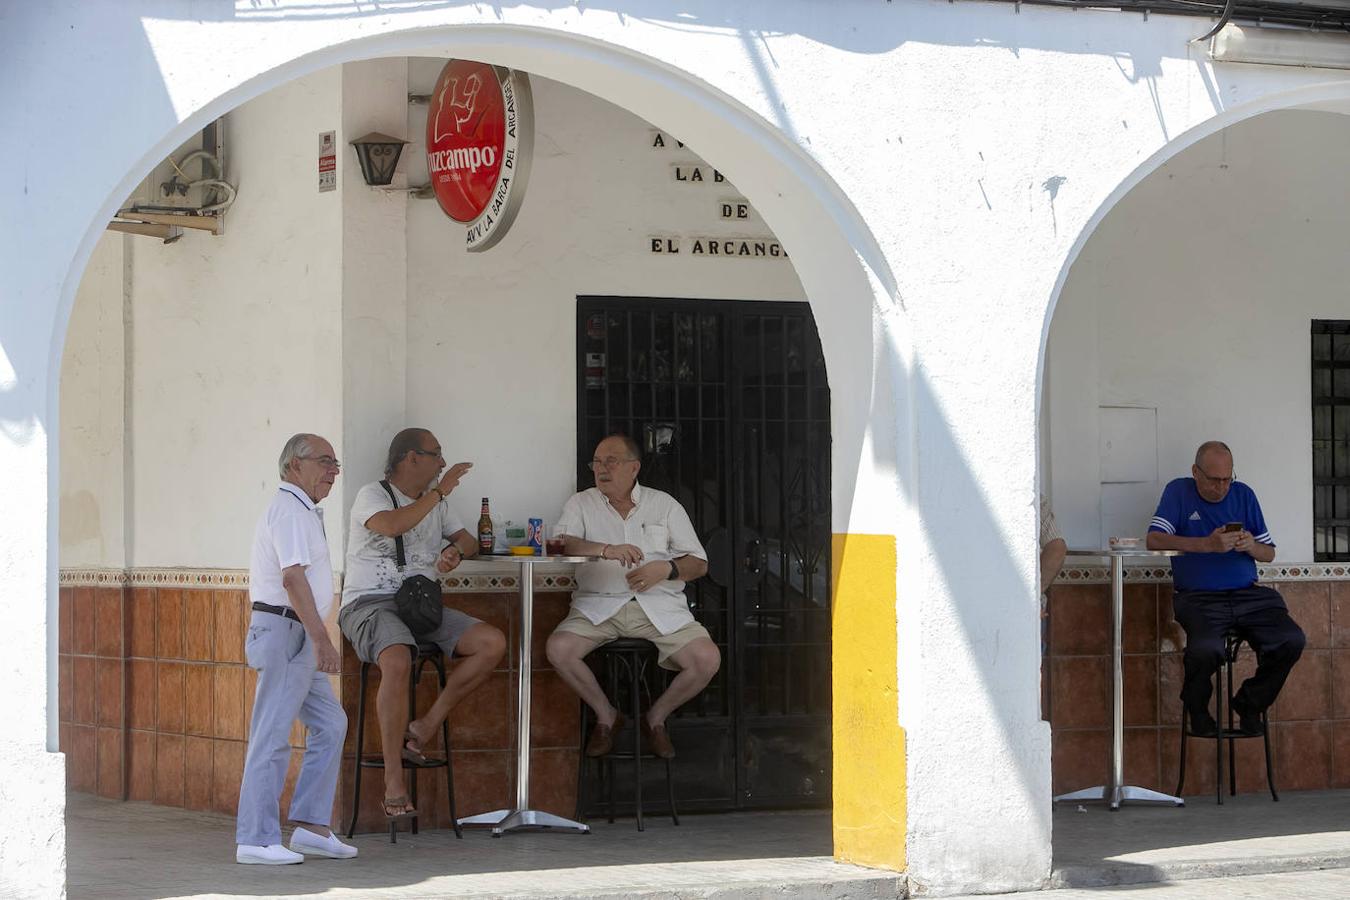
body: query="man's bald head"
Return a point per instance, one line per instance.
(1205, 450)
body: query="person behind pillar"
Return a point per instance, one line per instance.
(649, 550)
(291, 586)
(1217, 524)
(435, 540)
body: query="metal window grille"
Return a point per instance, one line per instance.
(1331, 439)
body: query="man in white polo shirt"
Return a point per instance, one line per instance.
(650, 550)
(291, 586)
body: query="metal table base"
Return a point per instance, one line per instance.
(1116, 792)
(521, 816)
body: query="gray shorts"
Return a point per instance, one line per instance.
(372, 624)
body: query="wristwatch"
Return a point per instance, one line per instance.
(674, 572)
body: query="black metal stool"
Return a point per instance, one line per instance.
(624, 664)
(1224, 689)
(426, 653)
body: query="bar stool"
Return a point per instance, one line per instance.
(426, 653)
(1231, 642)
(623, 665)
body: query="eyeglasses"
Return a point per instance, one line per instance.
(327, 462)
(609, 462)
(420, 452)
(1221, 481)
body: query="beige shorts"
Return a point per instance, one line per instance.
(631, 622)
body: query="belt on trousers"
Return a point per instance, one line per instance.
(284, 611)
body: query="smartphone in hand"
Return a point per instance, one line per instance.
(1232, 526)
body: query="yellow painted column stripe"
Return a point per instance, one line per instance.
(869, 745)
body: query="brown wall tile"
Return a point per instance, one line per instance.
(1340, 754)
(198, 702)
(141, 690)
(197, 773)
(1200, 763)
(485, 719)
(141, 765)
(170, 697)
(65, 687)
(1142, 765)
(169, 623)
(141, 622)
(555, 714)
(231, 624)
(553, 781)
(108, 693)
(82, 766)
(483, 781)
(84, 689)
(108, 625)
(1340, 614)
(549, 610)
(229, 702)
(1139, 619)
(170, 769)
(1309, 604)
(83, 621)
(1307, 693)
(1080, 619)
(1079, 759)
(198, 625)
(1340, 684)
(1302, 753)
(65, 619)
(1140, 690)
(228, 768)
(1079, 692)
(109, 751)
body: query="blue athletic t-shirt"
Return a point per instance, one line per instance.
(1182, 511)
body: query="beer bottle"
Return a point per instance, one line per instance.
(485, 537)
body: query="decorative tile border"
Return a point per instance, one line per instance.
(555, 577)
(1145, 574)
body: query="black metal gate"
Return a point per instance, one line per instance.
(730, 402)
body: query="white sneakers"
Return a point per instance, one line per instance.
(307, 842)
(303, 843)
(270, 855)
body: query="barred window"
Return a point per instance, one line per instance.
(1331, 439)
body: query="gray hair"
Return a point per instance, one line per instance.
(1209, 447)
(404, 442)
(299, 445)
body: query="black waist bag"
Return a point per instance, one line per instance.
(418, 601)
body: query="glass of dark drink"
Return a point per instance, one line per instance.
(554, 545)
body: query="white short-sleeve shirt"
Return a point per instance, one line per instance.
(659, 526)
(290, 533)
(372, 566)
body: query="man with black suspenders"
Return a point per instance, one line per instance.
(291, 586)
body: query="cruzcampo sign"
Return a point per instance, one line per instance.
(480, 136)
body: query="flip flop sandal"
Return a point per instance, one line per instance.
(398, 803)
(415, 756)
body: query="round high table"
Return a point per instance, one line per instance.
(1116, 792)
(521, 816)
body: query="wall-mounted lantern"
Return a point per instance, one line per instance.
(379, 155)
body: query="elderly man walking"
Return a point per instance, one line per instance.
(291, 586)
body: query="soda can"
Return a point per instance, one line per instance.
(534, 535)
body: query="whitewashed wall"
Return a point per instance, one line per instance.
(1194, 298)
(92, 415)
(492, 336)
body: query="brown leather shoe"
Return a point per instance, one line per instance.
(658, 742)
(602, 737)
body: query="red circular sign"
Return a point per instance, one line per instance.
(466, 138)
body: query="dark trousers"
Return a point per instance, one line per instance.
(1260, 616)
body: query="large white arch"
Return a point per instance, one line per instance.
(841, 268)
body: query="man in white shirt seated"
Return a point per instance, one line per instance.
(291, 586)
(409, 506)
(650, 550)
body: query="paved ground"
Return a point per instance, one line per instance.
(124, 850)
(1299, 847)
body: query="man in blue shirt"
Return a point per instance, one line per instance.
(1217, 524)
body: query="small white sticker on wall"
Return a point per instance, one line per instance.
(327, 161)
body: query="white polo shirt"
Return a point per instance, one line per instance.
(659, 526)
(290, 533)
